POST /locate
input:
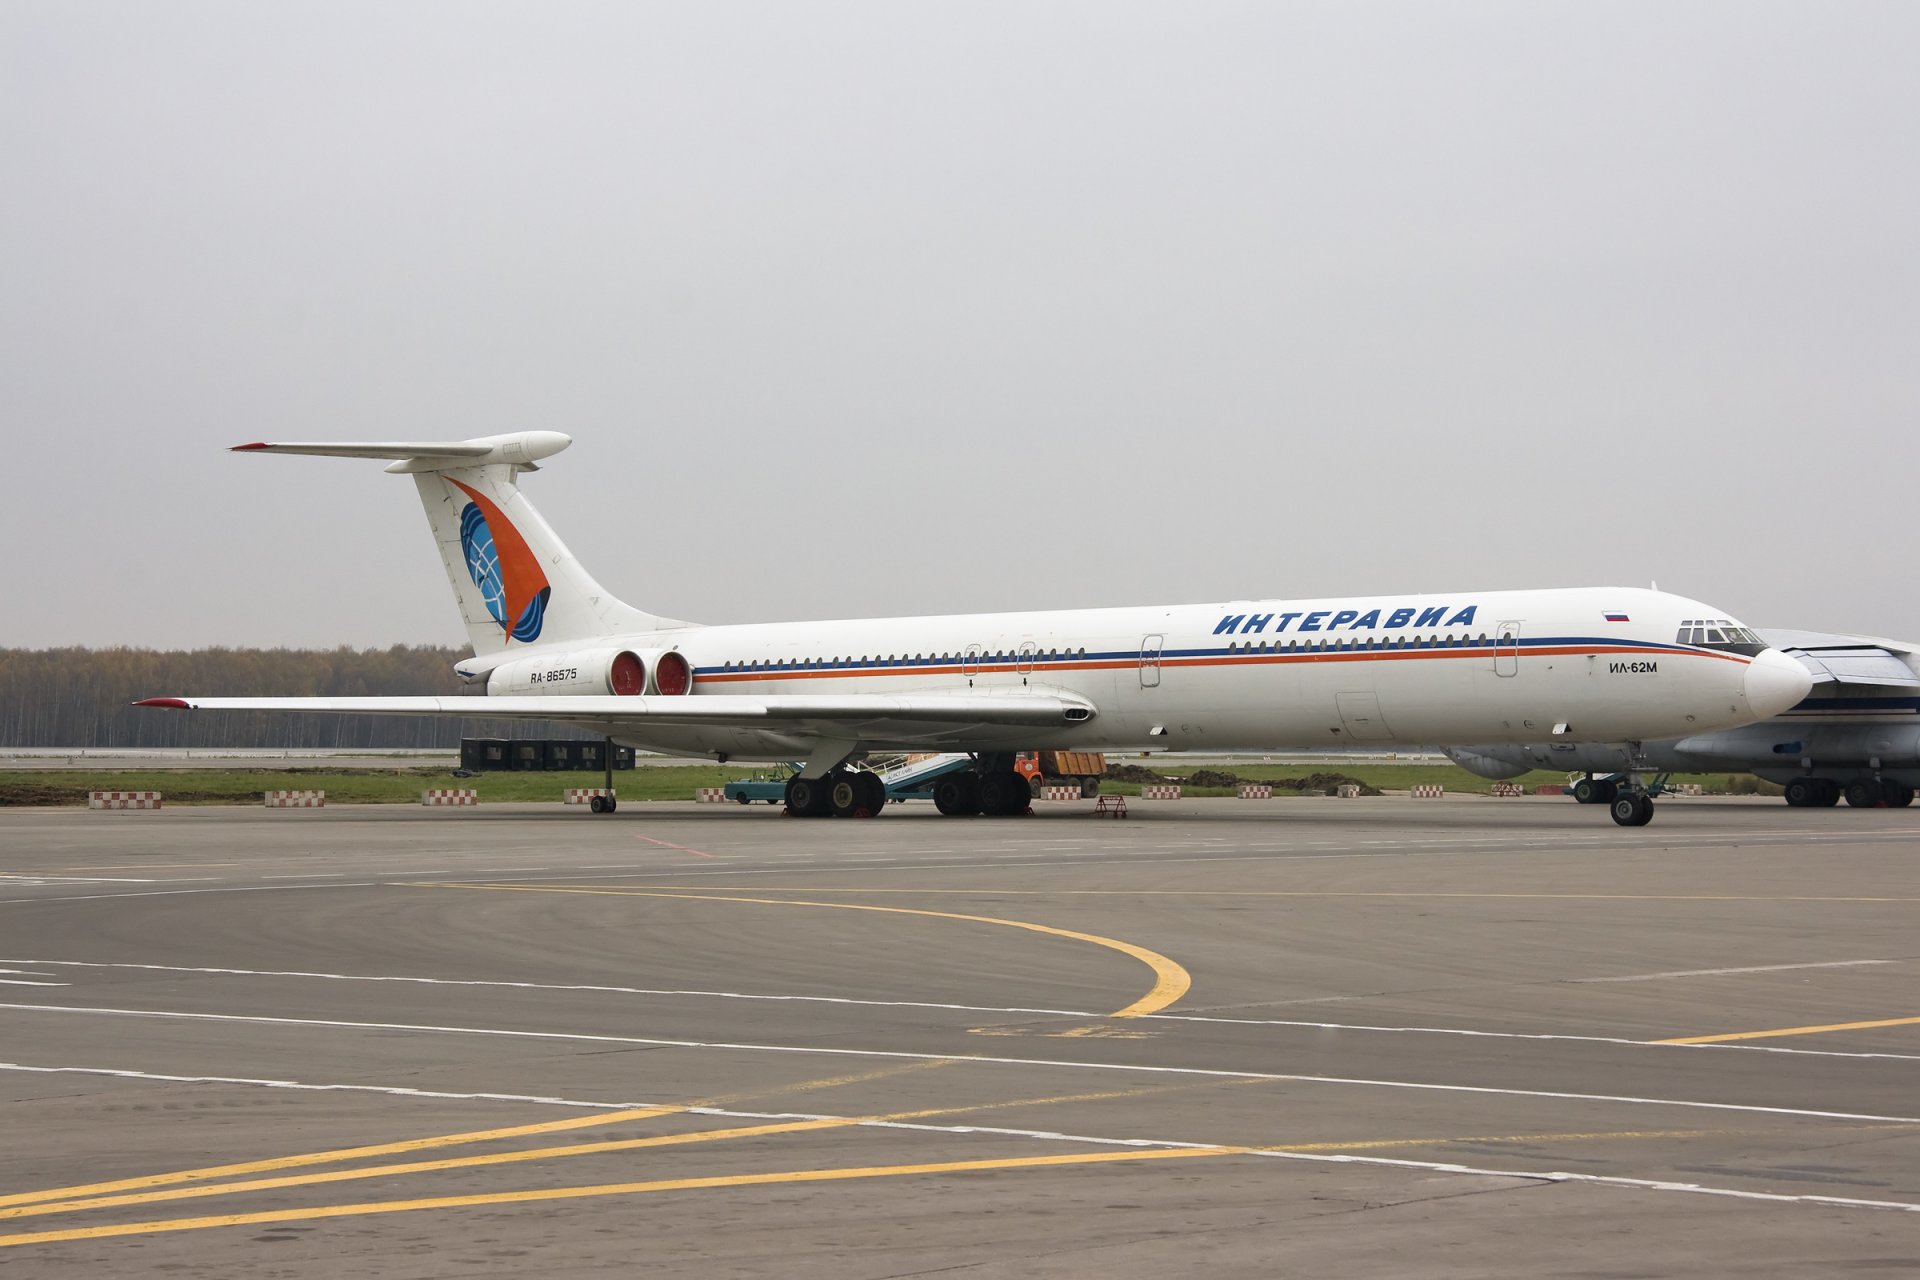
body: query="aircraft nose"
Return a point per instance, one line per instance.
(1775, 683)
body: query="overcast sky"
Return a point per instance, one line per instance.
(865, 309)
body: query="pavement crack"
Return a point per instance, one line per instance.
(1520, 1182)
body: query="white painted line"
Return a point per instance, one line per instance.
(174, 893)
(1714, 973)
(54, 877)
(960, 1008)
(898, 1055)
(22, 982)
(1040, 1135)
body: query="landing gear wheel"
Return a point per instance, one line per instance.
(956, 795)
(1827, 793)
(1632, 809)
(873, 792)
(1899, 794)
(1003, 795)
(1803, 793)
(597, 804)
(1863, 793)
(1586, 791)
(843, 794)
(807, 797)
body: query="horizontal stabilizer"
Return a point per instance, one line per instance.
(516, 448)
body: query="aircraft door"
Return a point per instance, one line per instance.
(1025, 660)
(1150, 661)
(1506, 649)
(970, 662)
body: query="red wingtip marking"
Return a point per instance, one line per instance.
(177, 704)
(247, 448)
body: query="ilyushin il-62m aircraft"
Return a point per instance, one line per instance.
(1579, 665)
(1857, 735)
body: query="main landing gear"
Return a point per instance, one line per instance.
(1001, 793)
(1861, 793)
(843, 793)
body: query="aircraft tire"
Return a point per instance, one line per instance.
(873, 792)
(596, 804)
(808, 797)
(1863, 793)
(1828, 794)
(957, 795)
(843, 794)
(1586, 791)
(1002, 795)
(1801, 793)
(1899, 794)
(1631, 810)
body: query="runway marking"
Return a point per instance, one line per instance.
(576, 1037)
(101, 1190)
(1220, 893)
(1792, 1031)
(795, 1176)
(1328, 1153)
(606, 1189)
(1171, 981)
(65, 1200)
(668, 844)
(1714, 973)
(55, 877)
(960, 1008)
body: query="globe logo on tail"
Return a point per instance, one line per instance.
(503, 567)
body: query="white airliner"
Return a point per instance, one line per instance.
(1570, 665)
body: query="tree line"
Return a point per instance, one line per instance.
(80, 697)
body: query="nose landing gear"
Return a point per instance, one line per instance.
(1632, 802)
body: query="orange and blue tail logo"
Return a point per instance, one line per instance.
(503, 566)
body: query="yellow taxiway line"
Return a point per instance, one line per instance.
(1791, 1031)
(1171, 981)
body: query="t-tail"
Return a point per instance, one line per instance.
(516, 582)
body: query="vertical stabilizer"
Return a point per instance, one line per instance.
(515, 581)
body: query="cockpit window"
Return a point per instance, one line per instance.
(1719, 633)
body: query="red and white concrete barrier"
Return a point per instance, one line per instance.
(710, 795)
(1054, 791)
(1152, 792)
(1428, 791)
(1506, 789)
(1256, 791)
(123, 799)
(584, 795)
(440, 797)
(295, 799)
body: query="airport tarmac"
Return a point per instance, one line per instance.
(1240, 1038)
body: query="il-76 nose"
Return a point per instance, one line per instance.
(1775, 684)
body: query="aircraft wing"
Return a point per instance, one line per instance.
(857, 714)
(1849, 660)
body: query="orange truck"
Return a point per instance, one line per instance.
(1062, 768)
